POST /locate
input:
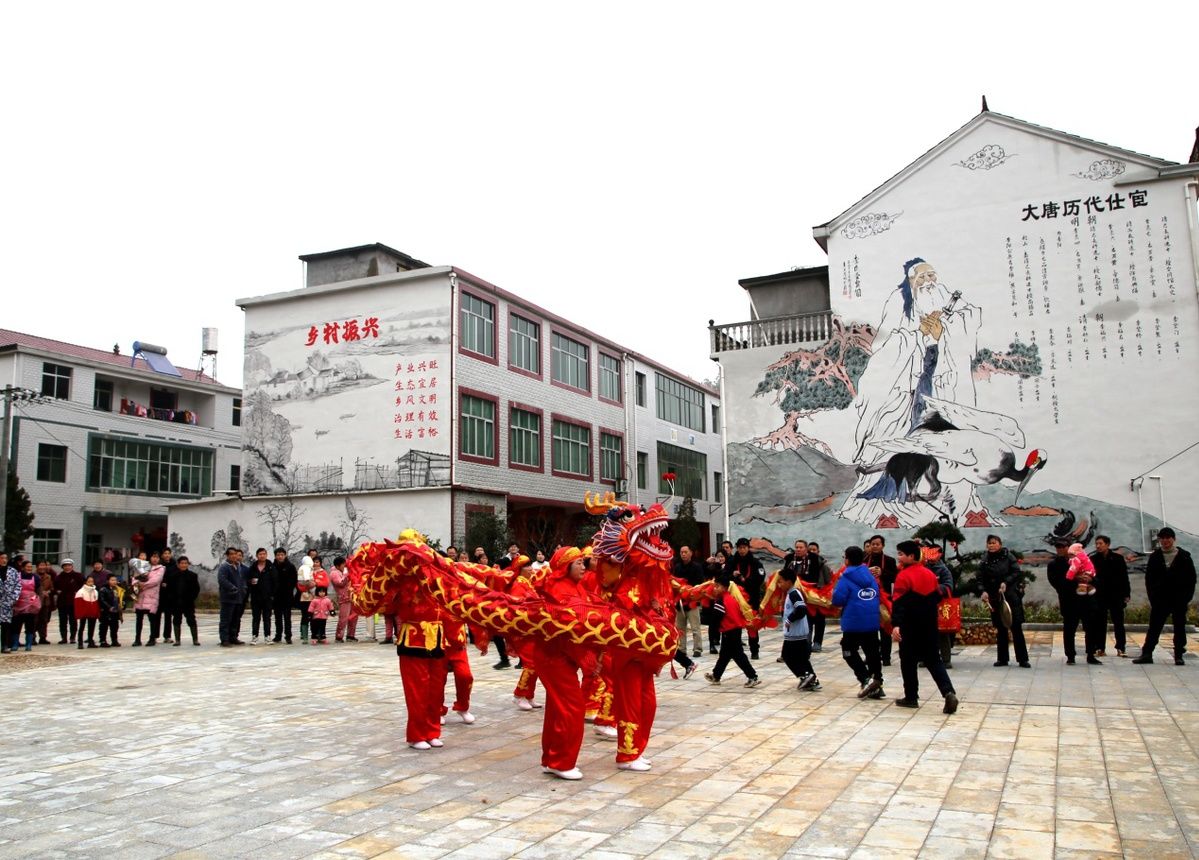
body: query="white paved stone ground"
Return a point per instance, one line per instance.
(297, 751)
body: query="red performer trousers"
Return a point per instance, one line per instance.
(424, 688)
(597, 689)
(562, 730)
(526, 685)
(458, 662)
(635, 704)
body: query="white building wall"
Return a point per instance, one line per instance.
(70, 506)
(204, 528)
(316, 400)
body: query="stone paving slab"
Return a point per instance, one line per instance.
(297, 751)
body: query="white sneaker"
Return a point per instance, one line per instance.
(523, 704)
(420, 745)
(637, 764)
(436, 743)
(442, 718)
(466, 716)
(573, 773)
(254, 640)
(606, 732)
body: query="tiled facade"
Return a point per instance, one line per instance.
(605, 405)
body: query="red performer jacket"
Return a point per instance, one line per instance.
(564, 591)
(421, 632)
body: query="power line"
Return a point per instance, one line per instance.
(1167, 460)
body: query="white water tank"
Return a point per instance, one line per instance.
(208, 341)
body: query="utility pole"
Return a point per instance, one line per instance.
(11, 395)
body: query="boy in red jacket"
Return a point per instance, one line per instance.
(914, 626)
(733, 609)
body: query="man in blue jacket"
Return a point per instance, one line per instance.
(857, 595)
(231, 585)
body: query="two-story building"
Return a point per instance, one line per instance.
(110, 441)
(387, 393)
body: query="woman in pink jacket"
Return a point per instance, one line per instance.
(148, 585)
(347, 617)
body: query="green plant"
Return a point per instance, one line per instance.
(488, 531)
(585, 533)
(684, 530)
(18, 515)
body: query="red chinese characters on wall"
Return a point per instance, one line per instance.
(416, 411)
(343, 332)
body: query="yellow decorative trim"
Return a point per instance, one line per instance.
(627, 730)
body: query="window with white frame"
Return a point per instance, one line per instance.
(610, 387)
(524, 438)
(572, 448)
(478, 427)
(477, 325)
(571, 362)
(611, 457)
(524, 344)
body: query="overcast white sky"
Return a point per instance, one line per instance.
(622, 166)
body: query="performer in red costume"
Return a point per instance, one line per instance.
(457, 662)
(559, 664)
(520, 586)
(597, 689)
(630, 554)
(421, 646)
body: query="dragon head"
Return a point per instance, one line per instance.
(629, 530)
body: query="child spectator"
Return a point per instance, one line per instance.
(87, 610)
(732, 608)
(347, 616)
(320, 608)
(110, 612)
(797, 646)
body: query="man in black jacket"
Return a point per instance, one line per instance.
(999, 580)
(1170, 581)
(231, 586)
(285, 594)
(261, 583)
(66, 583)
(188, 589)
(745, 570)
(1076, 608)
(688, 568)
(1114, 591)
(1055, 573)
(885, 569)
(166, 593)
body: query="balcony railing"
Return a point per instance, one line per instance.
(773, 331)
